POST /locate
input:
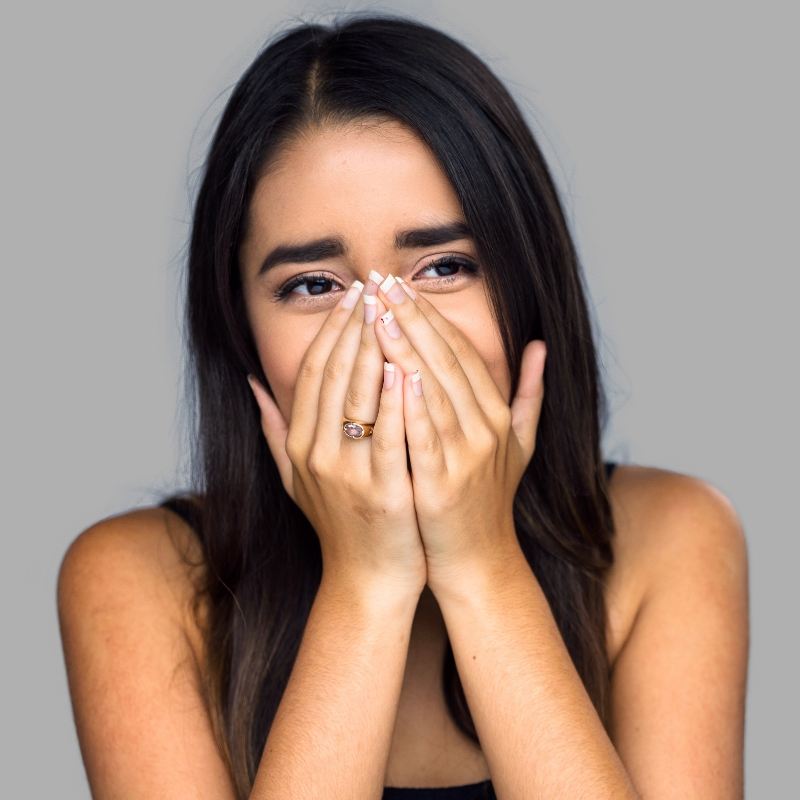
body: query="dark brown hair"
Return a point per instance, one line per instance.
(261, 556)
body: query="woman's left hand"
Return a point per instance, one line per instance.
(467, 448)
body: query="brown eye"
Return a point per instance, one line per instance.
(315, 285)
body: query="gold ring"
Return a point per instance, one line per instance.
(354, 429)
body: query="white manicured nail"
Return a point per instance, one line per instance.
(388, 375)
(390, 324)
(416, 384)
(409, 291)
(352, 294)
(370, 308)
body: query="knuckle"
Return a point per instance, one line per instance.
(451, 430)
(440, 402)
(484, 441)
(381, 445)
(450, 360)
(309, 367)
(294, 448)
(355, 397)
(317, 463)
(501, 417)
(460, 346)
(393, 504)
(429, 445)
(334, 369)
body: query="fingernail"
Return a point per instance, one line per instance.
(370, 308)
(375, 277)
(393, 290)
(388, 375)
(416, 383)
(409, 291)
(351, 296)
(390, 324)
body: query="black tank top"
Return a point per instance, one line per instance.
(483, 790)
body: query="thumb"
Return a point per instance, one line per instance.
(527, 403)
(275, 429)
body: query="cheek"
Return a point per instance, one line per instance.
(478, 325)
(491, 350)
(281, 345)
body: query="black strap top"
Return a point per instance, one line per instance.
(483, 790)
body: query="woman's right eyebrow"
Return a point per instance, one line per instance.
(333, 246)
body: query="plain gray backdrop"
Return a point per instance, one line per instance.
(672, 132)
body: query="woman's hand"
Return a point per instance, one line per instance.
(355, 492)
(468, 449)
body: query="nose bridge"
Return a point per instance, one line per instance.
(371, 247)
(367, 266)
(371, 257)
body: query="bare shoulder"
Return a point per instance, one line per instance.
(126, 589)
(667, 525)
(678, 683)
(146, 552)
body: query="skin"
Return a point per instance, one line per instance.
(679, 632)
(361, 183)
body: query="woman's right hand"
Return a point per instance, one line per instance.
(357, 493)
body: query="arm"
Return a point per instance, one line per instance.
(333, 728)
(537, 726)
(139, 712)
(678, 684)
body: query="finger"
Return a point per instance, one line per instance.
(400, 351)
(337, 375)
(442, 362)
(389, 436)
(371, 296)
(363, 394)
(527, 403)
(483, 384)
(424, 445)
(275, 429)
(310, 372)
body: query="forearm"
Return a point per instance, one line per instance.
(539, 730)
(332, 730)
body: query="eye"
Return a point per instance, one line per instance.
(319, 284)
(316, 284)
(452, 265)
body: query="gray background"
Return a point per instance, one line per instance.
(672, 132)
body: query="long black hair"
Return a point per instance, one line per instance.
(260, 556)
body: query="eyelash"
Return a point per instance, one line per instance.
(300, 280)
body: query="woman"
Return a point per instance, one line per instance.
(405, 563)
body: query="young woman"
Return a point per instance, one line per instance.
(404, 570)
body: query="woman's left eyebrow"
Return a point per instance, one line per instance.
(333, 246)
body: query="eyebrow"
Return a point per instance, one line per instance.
(332, 246)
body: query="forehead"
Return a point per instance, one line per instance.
(353, 176)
